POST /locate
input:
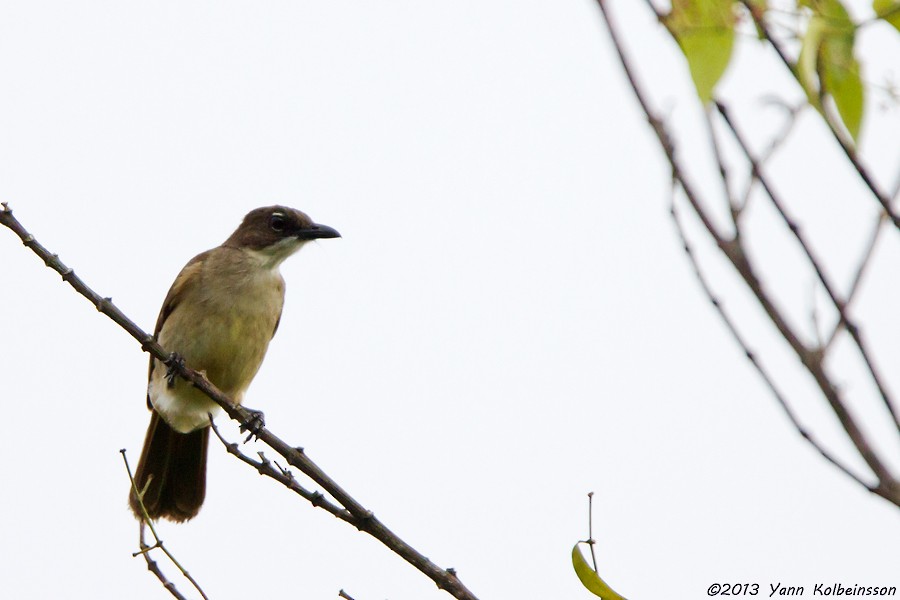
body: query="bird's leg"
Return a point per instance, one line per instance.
(257, 421)
(173, 364)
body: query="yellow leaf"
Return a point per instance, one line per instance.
(590, 579)
(889, 10)
(840, 79)
(807, 73)
(704, 30)
(827, 66)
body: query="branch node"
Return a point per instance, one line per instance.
(103, 303)
(146, 342)
(265, 465)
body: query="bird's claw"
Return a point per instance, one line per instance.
(174, 363)
(255, 425)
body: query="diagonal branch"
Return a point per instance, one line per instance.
(864, 262)
(364, 519)
(750, 354)
(839, 303)
(812, 359)
(146, 549)
(662, 134)
(265, 467)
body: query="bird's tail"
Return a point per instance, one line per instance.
(174, 464)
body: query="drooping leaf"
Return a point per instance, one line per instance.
(590, 579)
(807, 73)
(838, 68)
(841, 79)
(889, 10)
(704, 30)
(827, 66)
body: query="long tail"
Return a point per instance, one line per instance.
(175, 465)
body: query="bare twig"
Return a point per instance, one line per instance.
(365, 520)
(751, 355)
(662, 134)
(590, 540)
(866, 257)
(840, 305)
(145, 549)
(284, 476)
(777, 141)
(724, 177)
(153, 567)
(812, 359)
(781, 137)
(864, 262)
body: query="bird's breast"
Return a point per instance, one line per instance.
(223, 327)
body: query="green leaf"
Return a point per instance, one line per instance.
(889, 10)
(590, 579)
(840, 78)
(704, 30)
(826, 64)
(807, 73)
(838, 68)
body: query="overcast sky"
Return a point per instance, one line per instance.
(507, 323)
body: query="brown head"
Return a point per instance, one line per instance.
(276, 232)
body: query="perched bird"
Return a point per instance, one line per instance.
(218, 317)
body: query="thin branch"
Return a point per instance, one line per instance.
(781, 137)
(839, 303)
(445, 579)
(751, 355)
(145, 549)
(153, 567)
(864, 262)
(724, 177)
(284, 476)
(662, 134)
(869, 251)
(591, 541)
(777, 141)
(888, 487)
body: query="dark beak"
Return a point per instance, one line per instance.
(317, 232)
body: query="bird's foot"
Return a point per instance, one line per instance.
(256, 423)
(174, 363)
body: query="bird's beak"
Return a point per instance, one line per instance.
(316, 232)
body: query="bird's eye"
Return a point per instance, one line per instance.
(276, 222)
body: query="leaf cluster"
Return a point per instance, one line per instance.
(827, 68)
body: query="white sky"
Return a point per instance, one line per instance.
(507, 323)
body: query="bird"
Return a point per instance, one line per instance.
(218, 318)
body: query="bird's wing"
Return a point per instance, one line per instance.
(184, 282)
